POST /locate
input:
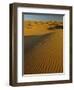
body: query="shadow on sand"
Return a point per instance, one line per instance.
(31, 41)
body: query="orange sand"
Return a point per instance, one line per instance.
(47, 55)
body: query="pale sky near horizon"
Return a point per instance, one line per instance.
(44, 17)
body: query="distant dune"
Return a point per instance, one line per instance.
(40, 27)
(43, 47)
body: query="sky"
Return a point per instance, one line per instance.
(43, 17)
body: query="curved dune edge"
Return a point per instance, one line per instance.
(46, 56)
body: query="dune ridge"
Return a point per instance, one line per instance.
(43, 48)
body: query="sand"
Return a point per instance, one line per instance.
(43, 48)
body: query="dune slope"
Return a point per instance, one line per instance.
(46, 56)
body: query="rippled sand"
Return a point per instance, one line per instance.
(43, 51)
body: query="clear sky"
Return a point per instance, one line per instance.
(44, 17)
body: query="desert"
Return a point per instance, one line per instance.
(43, 47)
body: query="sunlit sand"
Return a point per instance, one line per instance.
(43, 47)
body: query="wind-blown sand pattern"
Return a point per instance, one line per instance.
(43, 47)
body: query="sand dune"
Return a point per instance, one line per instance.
(39, 27)
(43, 49)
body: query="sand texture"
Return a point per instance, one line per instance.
(43, 47)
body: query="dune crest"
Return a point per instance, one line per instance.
(43, 47)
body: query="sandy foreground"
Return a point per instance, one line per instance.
(43, 48)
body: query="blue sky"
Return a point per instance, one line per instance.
(45, 17)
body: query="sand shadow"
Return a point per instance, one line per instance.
(31, 41)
